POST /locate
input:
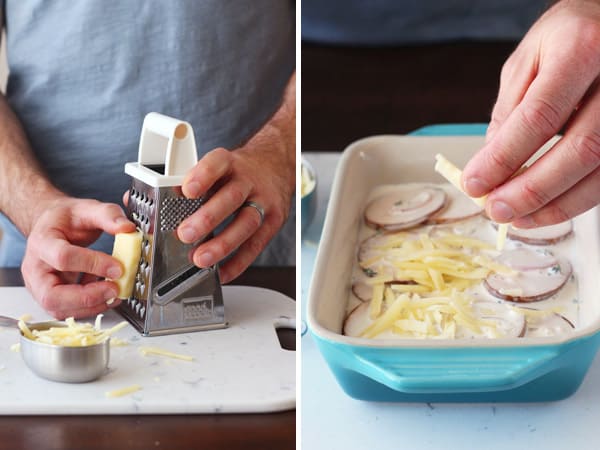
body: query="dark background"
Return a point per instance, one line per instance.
(350, 92)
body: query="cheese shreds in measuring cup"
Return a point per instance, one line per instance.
(74, 334)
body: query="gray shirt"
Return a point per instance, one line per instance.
(394, 22)
(84, 73)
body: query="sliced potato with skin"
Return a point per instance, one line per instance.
(127, 250)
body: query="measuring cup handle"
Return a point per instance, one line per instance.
(8, 322)
(169, 141)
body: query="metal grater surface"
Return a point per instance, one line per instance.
(170, 294)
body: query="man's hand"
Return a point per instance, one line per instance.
(261, 171)
(551, 81)
(59, 271)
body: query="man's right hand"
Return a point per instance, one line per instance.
(61, 273)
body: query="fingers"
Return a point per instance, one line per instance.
(583, 196)
(546, 106)
(66, 300)
(66, 257)
(517, 74)
(107, 217)
(246, 253)
(575, 156)
(220, 206)
(237, 232)
(213, 166)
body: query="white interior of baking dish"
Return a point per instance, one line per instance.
(404, 159)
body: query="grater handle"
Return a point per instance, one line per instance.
(169, 141)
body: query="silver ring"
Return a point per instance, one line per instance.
(258, 208)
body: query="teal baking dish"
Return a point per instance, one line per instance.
(528, 369)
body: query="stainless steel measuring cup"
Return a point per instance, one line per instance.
(61, 363)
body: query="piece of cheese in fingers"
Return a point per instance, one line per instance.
(453, 174)
(128, 250)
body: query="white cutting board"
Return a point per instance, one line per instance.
(235, 370)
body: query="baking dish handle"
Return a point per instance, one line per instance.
(456, 374)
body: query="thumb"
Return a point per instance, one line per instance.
(107, 217)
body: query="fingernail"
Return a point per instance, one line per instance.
(501, 212)
(109, 294)
(122, 220)
(193, 189)
(114, 272)
(205, 259)
(476, 187)
(188, 234)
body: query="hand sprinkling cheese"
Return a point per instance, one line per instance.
(453, 174)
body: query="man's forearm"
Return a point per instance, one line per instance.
(25, 190)
(281, 127)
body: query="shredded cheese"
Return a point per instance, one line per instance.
(25, 317)
(308, 181)
(160, 352)
(431, 302)
(123, 391)
(72, 334)
(453, 175)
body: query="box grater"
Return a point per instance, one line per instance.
(170, 295)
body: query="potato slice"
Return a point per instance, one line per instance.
(128, 250)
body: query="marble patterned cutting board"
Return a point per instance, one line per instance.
(239, 369)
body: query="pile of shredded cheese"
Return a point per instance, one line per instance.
(431, 317)
(73, 334)
(436, 271)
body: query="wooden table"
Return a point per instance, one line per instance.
(172, 432)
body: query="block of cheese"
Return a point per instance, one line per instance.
(128, 250)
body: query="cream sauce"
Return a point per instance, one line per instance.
(564, 302)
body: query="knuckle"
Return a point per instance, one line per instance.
(223, 247)
(255, 246)
(235, 195)
(508, 69)
(88, 298)
(586, 148)
(541, 116)
(278, 216)
(94, 265)
(62, 257)
(207, 221)
(47, 300)
(251, 221)
(556, 214)
(222, 153)
(496, 119)
(533, 195)
(501, 160)
(588, 33)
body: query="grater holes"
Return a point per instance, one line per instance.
(174, 210)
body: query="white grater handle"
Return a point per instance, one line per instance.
(169, 141)
(164, 141)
